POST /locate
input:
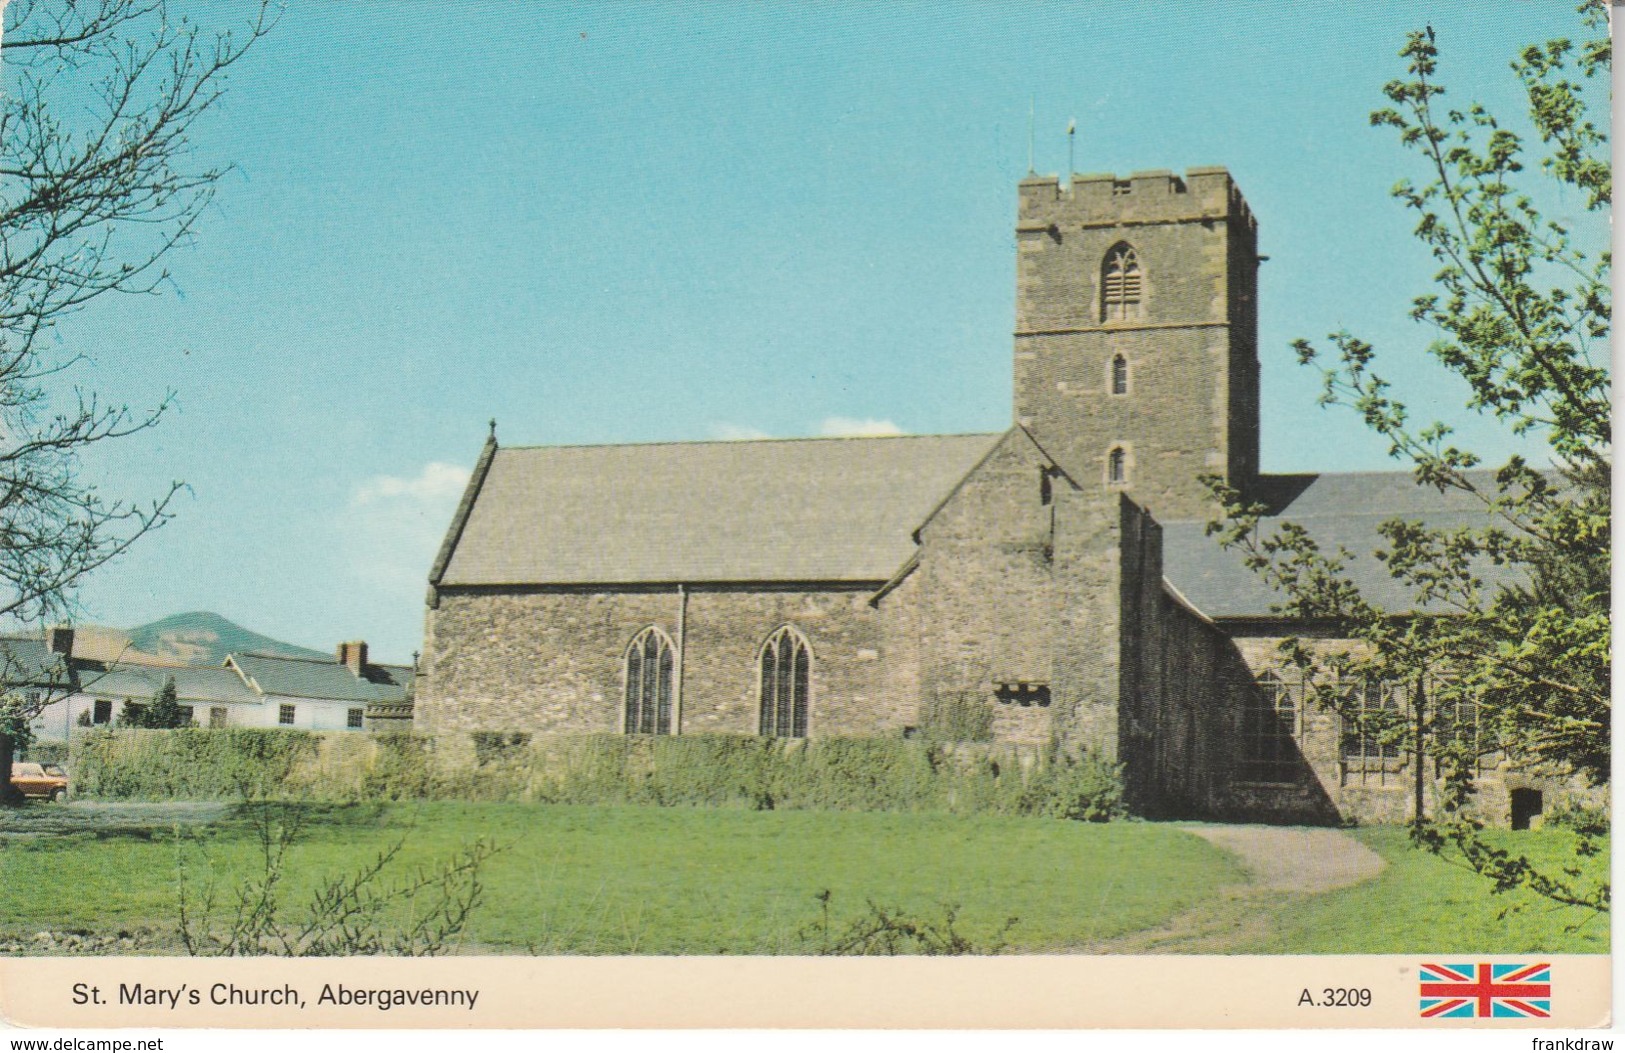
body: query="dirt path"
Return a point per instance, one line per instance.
(1282, 863)
(1295, 859)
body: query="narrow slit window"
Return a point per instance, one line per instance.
(1121, 285)
(1117, 465)
(1119, 375)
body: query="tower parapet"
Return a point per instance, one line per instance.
(1157, 195)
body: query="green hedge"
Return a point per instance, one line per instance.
(46, 752)
(185, 763)
(719, 771)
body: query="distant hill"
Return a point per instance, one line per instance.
(205, 638)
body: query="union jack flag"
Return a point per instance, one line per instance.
(1486, 990)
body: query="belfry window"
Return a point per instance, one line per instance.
(1117, 465)
(786, 665)
(1119, 375)
(1120, 285)
(648, 683)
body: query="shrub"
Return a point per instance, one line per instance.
(186, 763)
(401, 768)
(715, 771)
(492, 746)
(1582, 819)
(957, 717)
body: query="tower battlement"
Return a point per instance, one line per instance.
(1154, 196)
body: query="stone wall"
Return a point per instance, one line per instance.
(1014, 600)
(980, 601)
(553, 660)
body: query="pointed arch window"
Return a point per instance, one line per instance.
(1119, 379)
(649, 662)
(1117, 465)
(1121, 285)
(786, 668)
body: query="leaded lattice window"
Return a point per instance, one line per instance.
(786, 673)
(649, 664)
(1269, 732)
(1121, 285)
(1373, 720)
(1459, 721)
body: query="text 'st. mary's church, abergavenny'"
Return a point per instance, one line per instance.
(1058, 573)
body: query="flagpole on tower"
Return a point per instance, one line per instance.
(1071, 149)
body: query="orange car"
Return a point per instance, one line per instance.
(40, 780)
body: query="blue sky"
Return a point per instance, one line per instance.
(635, 222)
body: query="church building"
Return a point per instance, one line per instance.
(1051, 584)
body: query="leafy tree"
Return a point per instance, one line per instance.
(1504, 651)
(165, 711)
(98, 182)
(15, 725)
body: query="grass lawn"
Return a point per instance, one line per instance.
(621, 880)
(617, 880)
(1424, 904)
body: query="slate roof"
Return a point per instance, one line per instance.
(30, 661)
(768, 510)
(1337, 509)
(192, 683)
(319, 678)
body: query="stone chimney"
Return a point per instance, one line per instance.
(353, 654)
(59, 638)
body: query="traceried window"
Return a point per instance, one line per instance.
(1269, 732)
(649, 662)
(1119, 375)
(1459, 722)
(1117, 465)
(1372, 721)
(786, 668)
(1121, 285)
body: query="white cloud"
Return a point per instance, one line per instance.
(736, 432)
(393, 527)
(850, 427)
(437, 483)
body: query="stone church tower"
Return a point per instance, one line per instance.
(1136, 340)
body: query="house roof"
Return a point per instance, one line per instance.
(770, 510)
(30, 661)
(1338, 510)
(322, 678)
(193, 684)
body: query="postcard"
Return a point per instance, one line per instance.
(935, 516)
